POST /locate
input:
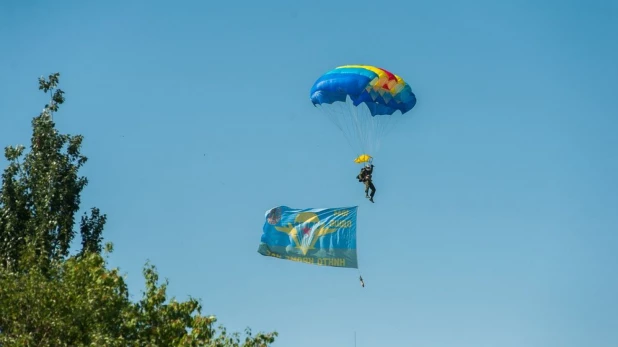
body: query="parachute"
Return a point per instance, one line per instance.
(364, 102)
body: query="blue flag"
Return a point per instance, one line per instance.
(319, 236)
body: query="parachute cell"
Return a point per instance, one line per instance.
(364, 102)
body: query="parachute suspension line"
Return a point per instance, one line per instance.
(358, 125)
(352, 127)
(346, 118)
(365, 128)
(363, 132)
(355, 126)
(331, 113)
(335, 113)
(349, 122)
(369, 129)
(391, 122)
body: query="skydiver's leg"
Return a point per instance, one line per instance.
(367, 189)
(373, 191)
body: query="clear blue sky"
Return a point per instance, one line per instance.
(495, 222)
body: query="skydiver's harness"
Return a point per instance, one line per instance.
(365, 175)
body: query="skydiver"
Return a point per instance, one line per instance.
(365, 177)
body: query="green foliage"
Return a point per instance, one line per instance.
(75, 302)
(40, 193)
(48, 298)
(79, 302)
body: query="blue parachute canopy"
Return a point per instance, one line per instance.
(364, 102)
(381, 91)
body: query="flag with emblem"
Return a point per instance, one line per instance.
(319, 236)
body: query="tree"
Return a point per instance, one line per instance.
(40, 193)
(48, 298)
